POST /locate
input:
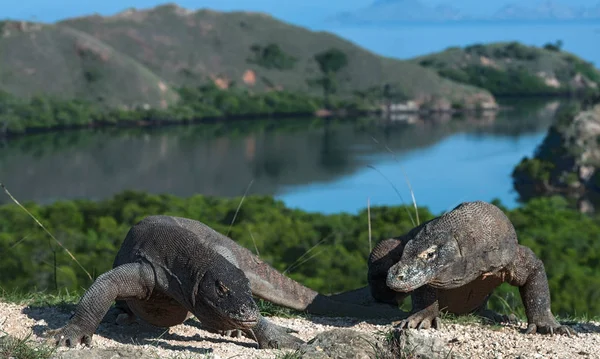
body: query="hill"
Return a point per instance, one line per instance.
(140, 57)
(512, 69)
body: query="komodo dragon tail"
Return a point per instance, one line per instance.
(269, 284)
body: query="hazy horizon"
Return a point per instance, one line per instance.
(297, 13)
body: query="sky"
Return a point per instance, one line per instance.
(298, 11)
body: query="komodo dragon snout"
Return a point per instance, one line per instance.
(422, 261)
(224, 299)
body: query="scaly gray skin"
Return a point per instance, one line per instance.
(454, 262)
(164, 271)
(269, 284)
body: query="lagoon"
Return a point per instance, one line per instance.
(320, 165)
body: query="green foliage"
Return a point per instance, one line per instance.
(511, 82)
(515, 50)
(325, 252)
(272, 57)
(209, 101)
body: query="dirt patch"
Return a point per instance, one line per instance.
(249, 77)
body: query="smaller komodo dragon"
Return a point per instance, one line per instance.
(169, 268)
(454, 262)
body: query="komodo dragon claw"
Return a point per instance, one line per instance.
(237, 333)
(548, 329)
(419, 320)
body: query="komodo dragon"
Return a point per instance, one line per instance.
(454, 262)
(170, 267)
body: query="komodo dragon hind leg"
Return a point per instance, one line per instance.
(124, 315)
(130, 280)
(484, 312)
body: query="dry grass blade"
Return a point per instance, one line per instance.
(293, 265)
(44, 228)
(412, 193)
(369, 220)
(238, 207)
(397, 192)
(254, 241)
(302, 262)
(17, 242)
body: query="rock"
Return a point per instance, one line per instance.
(415, 344)
(351, 344)
(340, 344)
(567, 162)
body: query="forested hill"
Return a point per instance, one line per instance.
(139, 57)
(514, 69)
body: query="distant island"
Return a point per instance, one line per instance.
(402, 11)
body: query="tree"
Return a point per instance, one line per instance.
(330, 63)
(557, 46)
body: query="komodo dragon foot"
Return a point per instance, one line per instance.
(272, 336)
(237, 333)
(70, 335)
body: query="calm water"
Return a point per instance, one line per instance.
(414, 40)
(316, 165)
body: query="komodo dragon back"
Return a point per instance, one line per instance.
(269, 284)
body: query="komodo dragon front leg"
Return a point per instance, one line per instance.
(127, 281)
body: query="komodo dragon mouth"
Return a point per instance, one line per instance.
(243, 317)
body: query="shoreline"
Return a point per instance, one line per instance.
(321, 113)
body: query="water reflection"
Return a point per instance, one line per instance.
(286, 158)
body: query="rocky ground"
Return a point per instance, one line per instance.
(336, 338)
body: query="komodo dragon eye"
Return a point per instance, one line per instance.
(429, 253)
(222, 290)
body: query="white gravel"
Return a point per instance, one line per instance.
(190, 341)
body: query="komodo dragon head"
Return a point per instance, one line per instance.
(432, 249)
(223, 299)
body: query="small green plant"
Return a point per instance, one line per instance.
(296, 354)
(392, 345)
(26, 348)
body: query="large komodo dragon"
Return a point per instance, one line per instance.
(169, 268)
(454, 262)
